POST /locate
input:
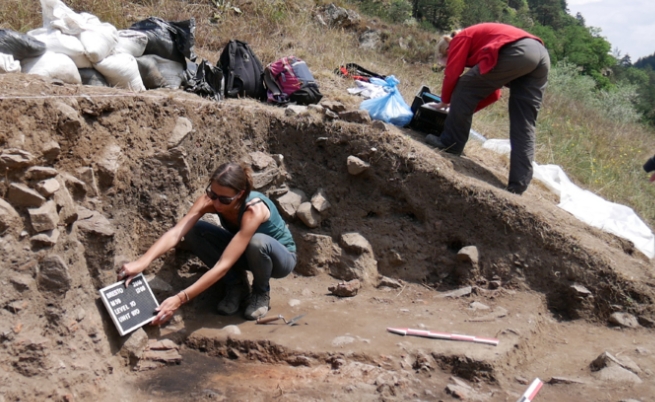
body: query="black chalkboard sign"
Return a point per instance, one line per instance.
(132, 307)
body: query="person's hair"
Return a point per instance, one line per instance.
(443, 45)
(235, 176)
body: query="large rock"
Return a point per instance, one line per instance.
(96, 233)
(52, 275)
(13, 158)
(9, 218)
(319, 202)
(134, 346)
(357, 260)
(47, 239)
(263, 178)
(183, 127)
(47, 187)
(356, 166)
(308, 215)
(260, 160)
(44, 218)
(40, 173)
(50, 151)
(316, 253)
(335, 106)
(340, 17)
(369, 39)
(63, 199)
(22, 196)
(69, 121)
(624, 320)
(108, 165)
(87, 175)
(356, 116)
(175, 158)
(289, 203)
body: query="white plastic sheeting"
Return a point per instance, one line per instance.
(588, 207)
(8, 64)
(367, 90)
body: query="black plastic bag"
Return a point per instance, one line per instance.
(158, 72)
(204, 79)
(92, 77)
(170, 40)
(19, 45)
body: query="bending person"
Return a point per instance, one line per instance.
(253, 237)
(498, 55)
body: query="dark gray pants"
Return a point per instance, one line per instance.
(265, 257)
(522, 66)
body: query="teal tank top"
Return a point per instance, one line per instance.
(274, 226)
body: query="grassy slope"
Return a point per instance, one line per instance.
(598, 153)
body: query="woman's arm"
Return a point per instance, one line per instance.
(168, 240)
(254, 216)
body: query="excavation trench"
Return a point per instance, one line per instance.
(415, 207)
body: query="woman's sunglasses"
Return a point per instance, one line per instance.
(221, 198)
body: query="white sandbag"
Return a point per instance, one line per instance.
(58, 42)
(8, 64)
(53, 65)
(131, 42)
(99, 41)
(57, 15)
(121, 70)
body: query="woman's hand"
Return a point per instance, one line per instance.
(166, 310)
(437, 106)
(129, 270)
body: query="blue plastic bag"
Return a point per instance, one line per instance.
(390, 108)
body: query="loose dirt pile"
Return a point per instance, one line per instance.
(94, 175)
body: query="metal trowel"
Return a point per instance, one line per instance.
(291, 322)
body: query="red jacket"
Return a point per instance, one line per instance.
(478, 45)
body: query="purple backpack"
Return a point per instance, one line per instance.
(289, 80)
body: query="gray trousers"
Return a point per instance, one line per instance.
(522, 66)
(264, 256)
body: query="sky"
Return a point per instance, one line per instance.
(628, 25)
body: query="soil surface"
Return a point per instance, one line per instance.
(128, 165)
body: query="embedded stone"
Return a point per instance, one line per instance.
(346, 289)
(47, 187)
(356, 261)
(14, 158)
(109, 164)
(356, 165)
(315, 254)
(9, 218)
(624, 320)
(22, 196)
(356, 116)
(260, 160)
(44, 218)
(52, 274)
(40, 173)
(134, 346)
(308, 215)
(50, 151)
(87, 175)
(319, 202)
(183, 127)
(295, 110)
(69, 120)
(289, 203)
(74, 185)
(263, 178)
(468, 254)
(67, 208)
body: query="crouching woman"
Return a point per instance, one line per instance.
(253, 237)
